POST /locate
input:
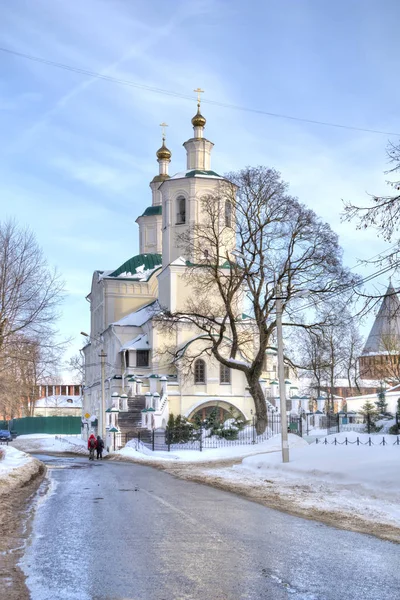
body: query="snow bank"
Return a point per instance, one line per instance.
(133, 450)
(372, 467)
(353, 481)
(55, 444)
(16, 469)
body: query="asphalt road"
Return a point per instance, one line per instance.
(120, 531)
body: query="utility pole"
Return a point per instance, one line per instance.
(102, 425)
(281, 374)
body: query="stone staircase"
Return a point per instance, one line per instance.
(131, 421)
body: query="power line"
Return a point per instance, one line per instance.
(347, 287)
(157, 90)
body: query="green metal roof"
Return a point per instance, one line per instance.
(152, 210)
(150, 261)
(199, 172)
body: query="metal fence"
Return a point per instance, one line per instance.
(341, 422)
(358, 442)
(65, 425)
(198, 438)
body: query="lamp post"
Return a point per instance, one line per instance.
(102, 411)
(281, 374)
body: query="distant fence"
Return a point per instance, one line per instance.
(51, 425)
(358, 442)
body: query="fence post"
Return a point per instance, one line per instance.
(254, 431)
(358, 442)
(138, 437)
(369, 442)
(168, 440)
(301, 426)
(201, 438)
(345, 441)
(152, 440)
(369, 423)
(338, 422)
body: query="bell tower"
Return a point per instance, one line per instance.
(182, 210)
(150, 231)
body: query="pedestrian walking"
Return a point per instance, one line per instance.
(92, 443)
(99, 448)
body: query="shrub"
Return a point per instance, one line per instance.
(394, 429)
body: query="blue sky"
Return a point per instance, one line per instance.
(77, 153)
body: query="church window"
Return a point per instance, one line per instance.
(228, 214)
(199, 371)
(180, 211)
(142, 358)
(224, 374)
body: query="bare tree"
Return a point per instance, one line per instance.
(331, 353)
(30, 292)
(383, 214)
(252, 235)
(76, 365)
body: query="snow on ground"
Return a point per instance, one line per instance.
(16, 468)
(357, 480)
(43, 443)
(141, 452)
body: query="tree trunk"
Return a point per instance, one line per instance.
(259, 403)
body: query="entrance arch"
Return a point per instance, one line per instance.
(225, 408)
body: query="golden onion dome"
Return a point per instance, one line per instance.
(163, 153)
(198, 119)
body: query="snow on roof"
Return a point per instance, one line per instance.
(180, 262)
(140, 342)
(196, 173)
(139, 268)
(141, 316)
(59, 402)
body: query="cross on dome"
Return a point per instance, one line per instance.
(163, 153)
(198, 120)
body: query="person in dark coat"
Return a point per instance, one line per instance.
(99, 448)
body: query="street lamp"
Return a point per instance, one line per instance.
(281, 374)
(102, 412)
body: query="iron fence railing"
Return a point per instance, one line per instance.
(358, 442)
(191, 437)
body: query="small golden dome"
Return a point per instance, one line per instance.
(163, 153)
(198, 120)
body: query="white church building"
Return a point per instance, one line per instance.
(143, 385)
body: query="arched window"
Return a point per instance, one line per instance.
(199, 371)
(180, 210)
(228, 214)
(224, 374)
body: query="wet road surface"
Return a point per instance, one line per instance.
(119, 531)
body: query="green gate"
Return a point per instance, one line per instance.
(55, 425)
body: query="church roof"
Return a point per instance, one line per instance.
(141, 316)
(140, 342)
(152, 210)
(138, 266)
(196, 173)
(384, 336)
